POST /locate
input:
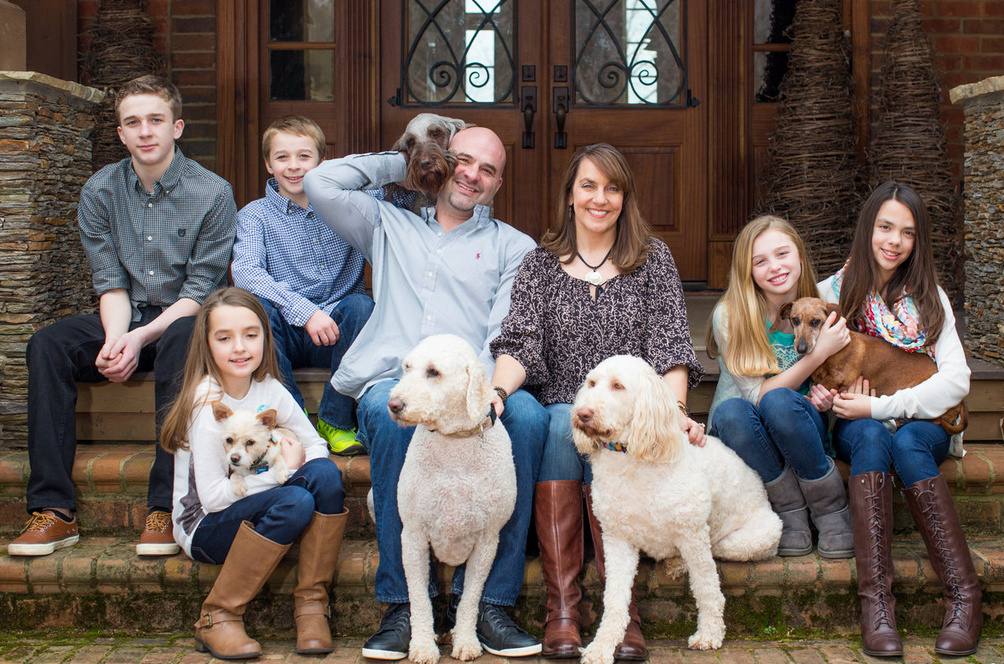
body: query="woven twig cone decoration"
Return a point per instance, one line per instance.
(812, 163)
(121, 49)
(908, 139)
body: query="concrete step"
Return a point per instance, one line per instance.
(111, 482)
(100, 584)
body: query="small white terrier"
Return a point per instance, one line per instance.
(654, 492)
(457, 487)
(253, 444)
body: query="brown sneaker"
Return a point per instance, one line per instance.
(158, 536)
(43, 534)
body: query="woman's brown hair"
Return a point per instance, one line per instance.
(199, 364)
(915, 277)
(631, 245)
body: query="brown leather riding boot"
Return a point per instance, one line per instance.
(220, 628)
(633, 647)
(315, 570)
(871, 519)
(557, 513)
(934, 512)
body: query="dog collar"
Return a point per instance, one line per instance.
(257, 467)
(483, 426)
(616, 447)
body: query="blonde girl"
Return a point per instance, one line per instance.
(232, 360)
(760, 409)
(889, 289)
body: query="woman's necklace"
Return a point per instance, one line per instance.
(593, 276)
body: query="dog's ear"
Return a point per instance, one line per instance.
(479, 392)
(784, 313)
(267, 418)
(456, 125)
(655, 433)
(832, 308)
(221, 411)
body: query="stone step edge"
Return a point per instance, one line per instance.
(116, 468)
(109, 566)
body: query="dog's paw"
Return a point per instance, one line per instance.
(281, 475)
(706, 641)
(595, 654)
(423, 651)
(237, 484)
(466, 648)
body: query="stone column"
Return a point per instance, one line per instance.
(45, 158)
(983, 104)
(13, 40)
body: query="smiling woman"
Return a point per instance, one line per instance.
(599, 286)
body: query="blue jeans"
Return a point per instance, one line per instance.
(387, 443)
(280, 514)
(783, 428)
(561, 461)
(915, 451)
(294, 349)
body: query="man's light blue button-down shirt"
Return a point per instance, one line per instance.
(425, 281)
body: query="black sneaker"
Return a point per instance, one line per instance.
(500, 635)
(391, 640)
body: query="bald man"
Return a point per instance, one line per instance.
(449, 270)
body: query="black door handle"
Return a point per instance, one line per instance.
(528, 104)
(560, 107)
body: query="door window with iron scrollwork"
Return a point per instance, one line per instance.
(629, 52)
(458, 52)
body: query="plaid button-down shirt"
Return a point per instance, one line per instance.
(162, 246)
(288, 256)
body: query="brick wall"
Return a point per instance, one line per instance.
(186, 34)
(968, 39)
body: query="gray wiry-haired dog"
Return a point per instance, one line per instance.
(426, 140)
(457, 487)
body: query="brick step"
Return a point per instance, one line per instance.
(124, 411)
(101, 585)
(111, 481)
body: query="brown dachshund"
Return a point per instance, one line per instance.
(885, 367)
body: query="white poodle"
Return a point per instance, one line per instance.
(457, 487)
(654, 492)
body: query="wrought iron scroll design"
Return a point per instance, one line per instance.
(626, 66)
(451, 76)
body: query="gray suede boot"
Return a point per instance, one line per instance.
(827, 500)
(788, 503)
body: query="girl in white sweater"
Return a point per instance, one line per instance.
(888, 288)
(231, 359)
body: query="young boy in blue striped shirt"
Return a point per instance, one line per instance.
(308, 278)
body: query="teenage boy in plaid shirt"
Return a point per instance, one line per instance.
(157, 229)
(309, 279)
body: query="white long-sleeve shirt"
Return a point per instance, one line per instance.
(931, 398)
(201, 482)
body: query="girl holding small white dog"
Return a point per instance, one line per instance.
(759, 409)
(599, 285)
(889, 288)
(232, 362)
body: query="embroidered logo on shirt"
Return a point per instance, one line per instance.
(181, 232)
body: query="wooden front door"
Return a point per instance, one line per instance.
(550, 77)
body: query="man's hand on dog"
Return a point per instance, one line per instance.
(322, 329)
(855, 402)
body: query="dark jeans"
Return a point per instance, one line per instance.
(294, 349)
(279, 514)
(63, 354)
(914, 451)
(387, 443)
(784, 428)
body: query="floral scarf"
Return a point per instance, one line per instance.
(899, 326)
